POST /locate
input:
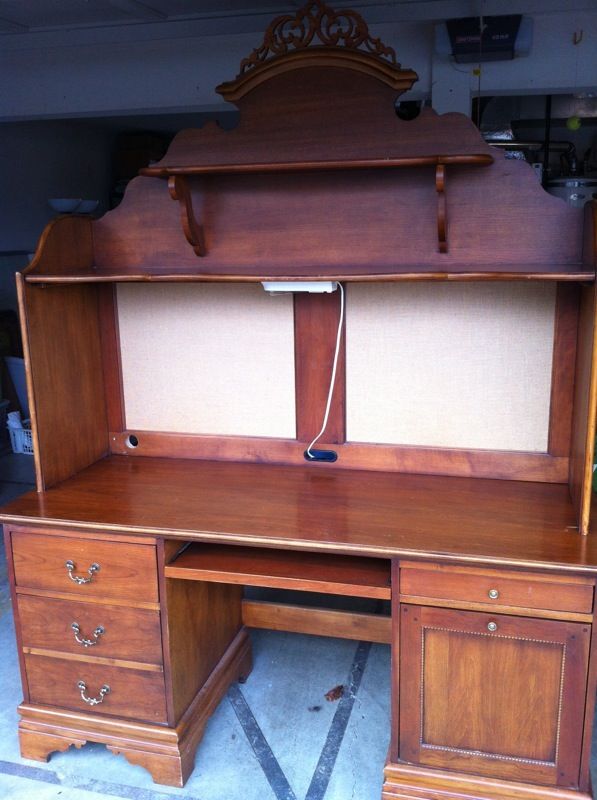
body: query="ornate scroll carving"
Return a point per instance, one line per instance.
(316, 22)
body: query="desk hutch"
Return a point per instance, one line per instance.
(172, 400)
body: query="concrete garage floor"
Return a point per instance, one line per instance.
(273, 738)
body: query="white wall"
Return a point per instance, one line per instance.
(175, 66)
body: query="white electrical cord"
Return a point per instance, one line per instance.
(333, 379)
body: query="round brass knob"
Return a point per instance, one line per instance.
(493, 594)
(492, 626)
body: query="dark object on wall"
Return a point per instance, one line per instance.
(475, 39)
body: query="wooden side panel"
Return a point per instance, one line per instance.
(111, 359)
(583, 418)
(564, 357)
(200, 621)
(316, 318)
(63, 359)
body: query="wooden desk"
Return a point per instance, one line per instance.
(472, 516)
(299, 528)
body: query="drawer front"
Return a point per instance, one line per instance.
(126, 571)
(496, 588)
(134, 694)
(130, 634)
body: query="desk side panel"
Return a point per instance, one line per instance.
(61, 337)
(200, 621)
(583, 420)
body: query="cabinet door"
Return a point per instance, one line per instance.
(492, 694)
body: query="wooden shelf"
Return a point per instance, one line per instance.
(468, 159)
(278, 569)
(489, 272)
(180, 189)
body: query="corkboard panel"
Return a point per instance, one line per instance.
(207, 358)
(450, 365)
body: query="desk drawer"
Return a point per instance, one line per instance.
(494, 587)
(134, 694)
(129, 634)
(126, 571)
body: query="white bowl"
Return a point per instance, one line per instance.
(87, 206)
(64, 205)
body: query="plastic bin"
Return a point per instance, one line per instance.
(21, 439)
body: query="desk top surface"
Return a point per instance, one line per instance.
(318, 509)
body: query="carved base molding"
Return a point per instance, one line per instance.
(408, 782)
(167, 753)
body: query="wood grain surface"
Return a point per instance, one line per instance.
(308, 508)
(125, 570)
(307, 572)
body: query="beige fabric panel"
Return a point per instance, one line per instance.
(207, 358)
(462, 365)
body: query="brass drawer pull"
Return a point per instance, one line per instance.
(93, 701)
(493, 594)
(492, 626)
(82, 640)
(70, 565)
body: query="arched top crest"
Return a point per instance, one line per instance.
(316, 35)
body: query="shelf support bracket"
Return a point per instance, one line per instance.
(193, 231)
(442, 218)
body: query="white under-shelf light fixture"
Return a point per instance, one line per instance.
(316, 287)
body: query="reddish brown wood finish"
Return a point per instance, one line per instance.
(497, 587)
(307, 572)
(168, 753)
(418, 272)
(438, 161)
(585, 402)
(111, 363)
(61, 334)
(128, 634)
(193, 229)
(515, 712)
(66, 244)
(317, 621)
(126, 570)
(260, 238)
(377, 514)
(203, 620)
(316, 319)
(564, 359)
(410, 782)
(351, 456)
(134, 694)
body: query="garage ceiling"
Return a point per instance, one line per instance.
(26, 16)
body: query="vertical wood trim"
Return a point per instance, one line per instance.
(395, 664)
(564, 358)
(583, 419)
(22, 292)
(161, 559)
(584, 782)
(316, 318)
(111, 358)
(17, 618)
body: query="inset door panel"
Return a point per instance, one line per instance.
(493, 694)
